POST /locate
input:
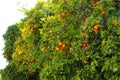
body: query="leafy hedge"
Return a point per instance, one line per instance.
(67, 40)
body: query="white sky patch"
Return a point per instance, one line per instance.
(9, 15)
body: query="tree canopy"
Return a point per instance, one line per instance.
(65, 40)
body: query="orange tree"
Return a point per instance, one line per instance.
(26, 55)
(10, 37)
(81, 41)
(69, 40)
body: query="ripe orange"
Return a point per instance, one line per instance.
(63, 14)
(25, 33)
(63, 1)
(43, 49)
(51, 31)
(84, 45)
(60, 43)
(81, 44)
(83, 33)
(63, 46)
(96, 27)
(103, 12)
(94, 4)
(58, 16)
(57, 48)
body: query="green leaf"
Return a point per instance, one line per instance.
(75, 78)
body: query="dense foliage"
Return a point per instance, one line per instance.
(10, 37)
(66, 40)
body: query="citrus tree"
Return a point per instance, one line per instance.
(69, 40)
(10, 37)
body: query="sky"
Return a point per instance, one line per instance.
(9, 15)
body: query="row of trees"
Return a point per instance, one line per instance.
(65, 40)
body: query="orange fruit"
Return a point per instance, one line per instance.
(94, 4)
(63, 14)
(58, 16)
(63, 1)
(43, 49)
(84, 45)
(60, 43)
(25, 33)
(96, 27)
(51, 31)
(81, 44)
(63, 46)
(103, 12)
(83, 33)
(57, 48)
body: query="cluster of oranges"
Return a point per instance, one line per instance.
(63, 14)
(83, 44)
(101, 6)
(60, 46)
(94, 3)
